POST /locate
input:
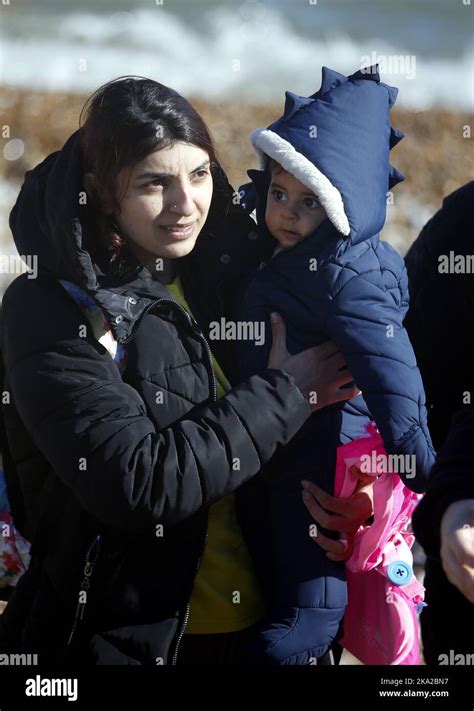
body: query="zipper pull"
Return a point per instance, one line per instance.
(85, 586)
(81, 606)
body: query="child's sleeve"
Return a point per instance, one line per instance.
(364, 319)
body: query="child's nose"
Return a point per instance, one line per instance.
(289, 212)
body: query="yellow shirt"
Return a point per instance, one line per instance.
(226, 595)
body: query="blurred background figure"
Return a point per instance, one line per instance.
(444, 524)
(440, 320)
(440, 323)
(14, 549)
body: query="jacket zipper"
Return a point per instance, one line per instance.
(138, 324)
(186, 615)
(195, 326)
(85, 584)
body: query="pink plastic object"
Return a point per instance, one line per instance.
(380, 623)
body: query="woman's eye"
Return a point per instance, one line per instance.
(311, 203)
(201, 173)
(157, 182)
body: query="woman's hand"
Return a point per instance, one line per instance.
(317, 371)
(343, 515)
(457, 546)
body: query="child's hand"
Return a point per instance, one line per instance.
(319, 372)
(457, 546)
(336, 514)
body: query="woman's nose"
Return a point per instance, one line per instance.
(181, 202)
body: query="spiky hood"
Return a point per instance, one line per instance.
(337, 143)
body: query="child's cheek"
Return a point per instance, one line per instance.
(317, 219)
(270, 215)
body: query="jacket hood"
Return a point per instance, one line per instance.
(50, 222)
(337, 143)
(48, 218)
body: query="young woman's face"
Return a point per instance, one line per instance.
(166, 203)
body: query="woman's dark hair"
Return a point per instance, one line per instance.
(125, 120)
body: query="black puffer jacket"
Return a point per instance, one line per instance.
(100, 462)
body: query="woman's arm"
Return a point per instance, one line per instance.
(94, 430)
(457, 546)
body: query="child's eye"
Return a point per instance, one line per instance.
(311, 203)
(278, 195)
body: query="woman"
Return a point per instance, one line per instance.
(128, 483)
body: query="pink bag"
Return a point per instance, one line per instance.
(380, 623)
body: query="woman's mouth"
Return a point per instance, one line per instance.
(179, 231)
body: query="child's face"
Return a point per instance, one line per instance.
(293, 211)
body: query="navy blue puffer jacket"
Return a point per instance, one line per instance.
(341, 283)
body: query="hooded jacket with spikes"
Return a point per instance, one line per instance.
(340, 283)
